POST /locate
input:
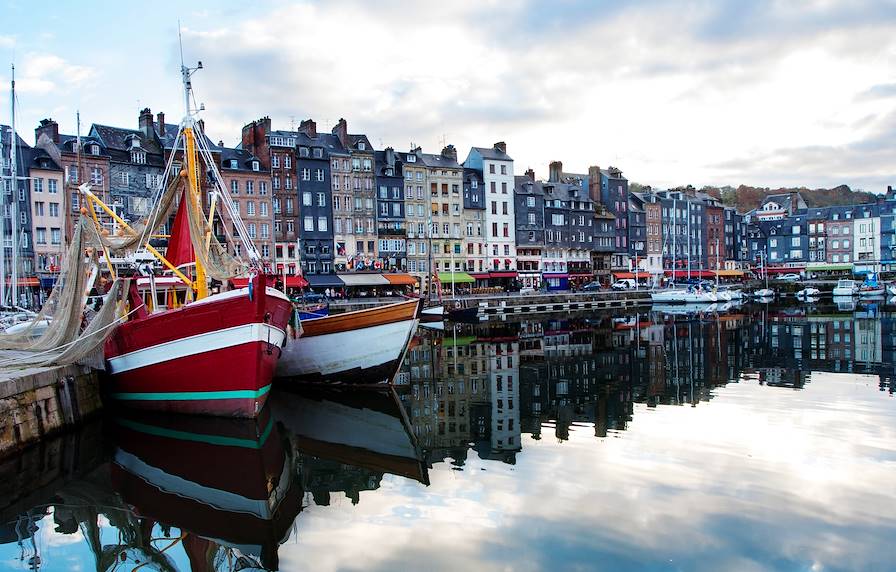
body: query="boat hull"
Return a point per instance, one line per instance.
(683, 297)
(359, 348)
(212, 357)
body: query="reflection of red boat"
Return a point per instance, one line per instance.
(215, 356)
(226, 483)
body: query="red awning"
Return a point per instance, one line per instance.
(479, 275)
(693, 273)
(784, 269)
(507, 274)
(296, 282)
(627, 275)
(27, 281)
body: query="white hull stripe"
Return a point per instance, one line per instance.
(198, 344)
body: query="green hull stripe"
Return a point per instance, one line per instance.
(194, 395)
(199, 437)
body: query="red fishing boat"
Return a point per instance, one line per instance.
(207, 354)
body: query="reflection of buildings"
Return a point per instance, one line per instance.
(485, 385)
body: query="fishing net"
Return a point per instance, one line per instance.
(55, 335)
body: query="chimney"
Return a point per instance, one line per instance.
(792, 210)
(145, 122)
(309, 128)
(201, 125)
(449, 152)
(48, 127)
(594, 184)
(555, 170)
(160, 120)
(501, 146)
(531, 174)
(341, 131)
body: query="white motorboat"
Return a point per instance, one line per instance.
(808, 294)
(871, 291)
(764, 293)
(846, 288)
(683, 296)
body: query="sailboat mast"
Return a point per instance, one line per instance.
(191, 160)
(674, 233)
(15, 194)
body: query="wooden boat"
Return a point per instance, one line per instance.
(363, 429)
(362, 347)
(228, 484)
(217, 354)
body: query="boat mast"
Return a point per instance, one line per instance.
(688, 203)
(674, 232)
(15, 194)
(191, 165)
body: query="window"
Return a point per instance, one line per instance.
(491, 168)
(252, 230)
(289, 205)
(306, 174)
(38, 208)
(530, 201)
(96, 176)
(265, 231)
(288, 184)
(40, 235)
(322, 223)
(318, 153)
(531, 218)
(308, 223)
(287, 162)
(54, 209)
(94, 149)
(71, 174)
(51, 186)
(255, 165)
(56, 236)
(319, 175)
(250, 208)
(503, 188)
(306, 199)
(503, 169)
(123, 179)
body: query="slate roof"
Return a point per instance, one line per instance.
(523, 185)
(355, 139)
(116, 141)
(167, 138)
(39, 159)
(329, 142)
(432, 160)
(493, 154)
(68, 142)
(4, 136)
(244, 160)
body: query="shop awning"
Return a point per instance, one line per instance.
(363, 279)
(587, 274)
(629, 275)
(693, 274)
(784, 269)
(296, 281)
(455, 278)
(480, 275)
(555, 275)
(507, 274)
(730, 273)
(28, 281)
(401, 279)
(828, 267)
(458, 341)
(324, 281)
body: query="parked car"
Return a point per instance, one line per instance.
(625, 284)
(790, 277)
(591, 287)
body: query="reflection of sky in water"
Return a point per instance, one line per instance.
(759, 478)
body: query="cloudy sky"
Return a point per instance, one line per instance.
(768, 93)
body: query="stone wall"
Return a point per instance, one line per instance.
(38, 402)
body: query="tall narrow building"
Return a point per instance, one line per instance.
(355, 169)
(390, 213)
(496, 167)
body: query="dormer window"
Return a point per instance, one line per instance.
(361, 146)
(135, 142)
(412, 158)
(255, 166)
(93, 149)
(138, 157)
(318, 152)
(234, 164)
(303, 151)
(474, 184)
(389, 172)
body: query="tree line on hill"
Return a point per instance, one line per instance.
(745, 198)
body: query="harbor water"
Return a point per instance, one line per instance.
(757, 438)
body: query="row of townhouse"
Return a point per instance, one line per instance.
(786, 235)
(317, 203)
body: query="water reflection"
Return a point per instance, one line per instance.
(582, 442)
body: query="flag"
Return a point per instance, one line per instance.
(180, 247)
